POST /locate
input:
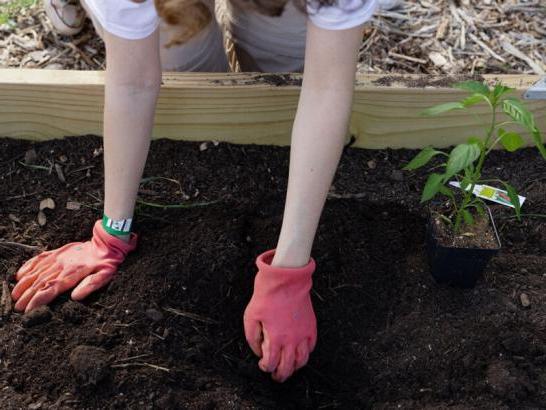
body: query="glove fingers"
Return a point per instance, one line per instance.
(286, 366)
(92, 283)
(302, 354)
(30, 279)
(253, 334)
(50, 289)
(31, 265)
(271, 353)
(28, 294)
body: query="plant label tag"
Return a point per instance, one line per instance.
(491, 194)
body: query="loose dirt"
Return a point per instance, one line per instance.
(167, 333)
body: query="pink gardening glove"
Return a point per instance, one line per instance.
(280, 324)
(89, 265)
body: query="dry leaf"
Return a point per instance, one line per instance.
(13, 218)
(73, 206)
(42, 219)
(47, 203)
(524, 299)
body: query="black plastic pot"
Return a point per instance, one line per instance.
(460, 267)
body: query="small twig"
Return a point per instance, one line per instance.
(139, 364)
(21, 196)
(40, 167)
(5, 299)
(132, 357)
(191, 316)
(19, 245)
(80, 169)
(175, 206)
(126, 324)
(359, 195)
(523, 215)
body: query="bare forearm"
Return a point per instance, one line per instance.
(317, 140)
(131, 89)
(128, 123)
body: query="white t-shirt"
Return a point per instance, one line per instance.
(132, 21)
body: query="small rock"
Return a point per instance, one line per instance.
(63, 158)
(372, 164)
(397, 175)
(47, 203)
(31, 157)
(154, 314)
(89, 363)
(36, 317)
(203, 146)
(35, 406)
(525, 301)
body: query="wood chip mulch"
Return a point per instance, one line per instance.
(420, 36)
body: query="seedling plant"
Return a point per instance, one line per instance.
(465, 162)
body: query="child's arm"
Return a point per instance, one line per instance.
(318, 136)
(133, 78)
(279, 320)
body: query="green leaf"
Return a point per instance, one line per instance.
(474, 99)
(447, 192)
(511, 141)
(432, 187)
(516, 110)
(514, 198)
(476, 87)
(500, 90)
(467, 216)
(480, 208)
(422, 158)
(465, 183)
(537, 138)
(461, 157)
(439, 109)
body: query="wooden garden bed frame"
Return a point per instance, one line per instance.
(241, 108)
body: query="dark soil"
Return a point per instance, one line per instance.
(480, 235)
(167, 333)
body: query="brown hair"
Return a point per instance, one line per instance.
(190, 16)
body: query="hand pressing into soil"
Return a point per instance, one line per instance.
(280, 324)
(87, 266)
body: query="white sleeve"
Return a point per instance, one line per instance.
(345, 14)
(125, 18)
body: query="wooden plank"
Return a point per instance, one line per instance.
(242, 108)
